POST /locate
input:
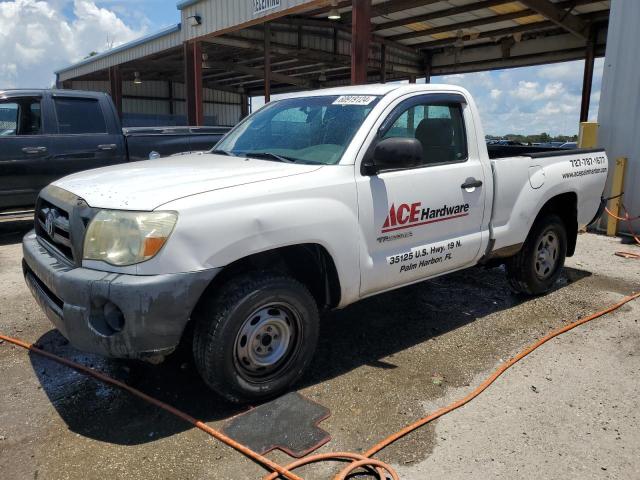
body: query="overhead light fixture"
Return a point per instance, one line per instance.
(136, 78)
(195, 20)
(334, 13)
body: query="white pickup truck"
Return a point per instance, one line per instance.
(311, 203)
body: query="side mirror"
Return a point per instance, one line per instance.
(394, 153)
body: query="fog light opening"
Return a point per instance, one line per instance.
(107, 319)
(113, 317)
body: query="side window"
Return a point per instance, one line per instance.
(21, 117)
(8, 119)
(439, 128)
(79, 115)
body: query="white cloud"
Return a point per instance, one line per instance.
(530, 91)
(36, 38)
(532, 99)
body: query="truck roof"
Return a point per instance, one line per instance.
(26, 92)
(378, 89)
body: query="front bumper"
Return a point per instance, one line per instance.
(152, 311)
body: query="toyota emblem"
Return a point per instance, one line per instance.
(50, 222)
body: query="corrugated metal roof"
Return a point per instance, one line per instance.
(435, 25)
(166, 32)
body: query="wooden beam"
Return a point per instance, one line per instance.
(115, 87)
(587, 78)
(360, 40)
(193, 83)
(557, 15)
(267, 63)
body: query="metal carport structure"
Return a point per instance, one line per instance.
(204, 69)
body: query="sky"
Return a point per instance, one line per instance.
(39, 37)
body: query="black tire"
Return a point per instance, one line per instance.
(281, 304)
(525, 272)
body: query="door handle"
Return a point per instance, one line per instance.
(34, 150)
(107, 146)
(471, 183)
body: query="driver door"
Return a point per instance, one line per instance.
(419, 222)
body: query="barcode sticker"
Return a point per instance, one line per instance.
(354, 100)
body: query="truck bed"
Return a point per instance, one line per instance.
(502, 151)
(524, 183)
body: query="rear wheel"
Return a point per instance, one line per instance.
(256, 336)
(535, 269)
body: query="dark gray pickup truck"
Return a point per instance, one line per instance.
(48, 134)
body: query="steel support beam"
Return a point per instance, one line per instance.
(454, 27)
(306, 54)
(267, 63)
(587, 79)
(504, 32)
(260, 73)
(383, 63)
(446, 12)
(115, 88)
(193, 82)
(427, 68)
(392, 6)
(360, 40)
(244, 105)
(558, 16)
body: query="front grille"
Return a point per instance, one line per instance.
(52, 225)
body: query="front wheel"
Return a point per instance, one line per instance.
(535, 269)
(256, 336)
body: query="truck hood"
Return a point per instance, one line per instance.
(148, 184)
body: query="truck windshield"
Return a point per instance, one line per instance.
(300, 130)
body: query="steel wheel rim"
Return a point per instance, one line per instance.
(266, 340)
(547, 254)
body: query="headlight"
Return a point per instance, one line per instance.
(125, 238)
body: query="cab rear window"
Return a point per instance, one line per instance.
(79, 115)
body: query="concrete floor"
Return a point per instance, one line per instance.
(570, 410)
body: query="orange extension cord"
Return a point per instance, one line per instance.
(357, 461)
(627, 218)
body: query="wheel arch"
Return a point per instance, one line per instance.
(309, 263)
(565, 205)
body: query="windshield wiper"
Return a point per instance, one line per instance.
(269, 155)
(222, 152)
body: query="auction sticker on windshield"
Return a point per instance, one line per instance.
(354, 100)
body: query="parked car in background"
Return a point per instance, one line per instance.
(47, 134)
(569, 145)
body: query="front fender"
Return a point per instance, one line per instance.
(217, 228)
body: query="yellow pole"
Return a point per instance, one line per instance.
(588, 137)
(617, 185)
